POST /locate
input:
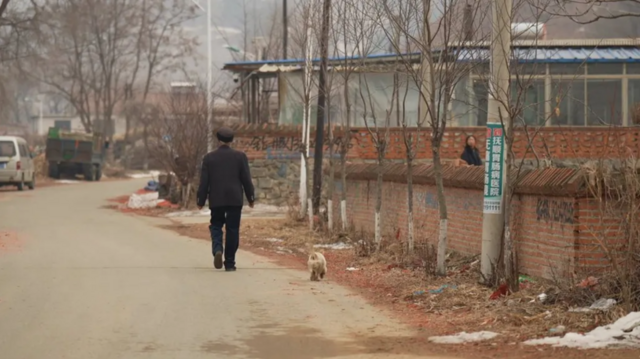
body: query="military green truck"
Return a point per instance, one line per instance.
(74, 154)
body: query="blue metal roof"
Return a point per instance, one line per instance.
(560, 55)
(531, 55)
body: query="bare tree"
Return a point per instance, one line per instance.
(178, 136)
(439, 42)
(96, 53)
(16, 28)
(378, 128)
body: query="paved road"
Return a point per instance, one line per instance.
(81, 281)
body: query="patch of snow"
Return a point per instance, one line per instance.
(146, 200)
(463, 337)
(205, 212)
(352, 269)
(625, 332)
(282, 250)
(336, 246)
(65, 181)
(273, 240)
(150, 174)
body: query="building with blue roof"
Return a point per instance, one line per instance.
(554, 83)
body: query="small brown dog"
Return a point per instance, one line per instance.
(317, 266)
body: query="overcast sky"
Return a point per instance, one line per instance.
(228, 18)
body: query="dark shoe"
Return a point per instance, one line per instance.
(217, 260)
(231, 269)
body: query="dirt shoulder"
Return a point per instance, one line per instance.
(434, 306)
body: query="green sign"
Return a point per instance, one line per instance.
(493, 169)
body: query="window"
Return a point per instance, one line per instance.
(604, 69)
(63, 124)
(7, 149)
(634, 102)
(480, 103)
(568, 70)
(527, 96)
(633, 69)
(567, 103)
(23, 151)
(604, 102)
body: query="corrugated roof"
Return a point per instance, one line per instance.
(523, 54)
(560, 55)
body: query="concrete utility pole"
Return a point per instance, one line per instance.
(209, 80)
(497, 124)
(285, 29)
(209, 74)
(322, 102)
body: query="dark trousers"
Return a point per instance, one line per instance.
(229, 217)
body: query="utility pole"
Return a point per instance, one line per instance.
(285, 29)
(321, 113)
(497, 124)
(209, 80)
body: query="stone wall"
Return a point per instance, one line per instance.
(275, 181)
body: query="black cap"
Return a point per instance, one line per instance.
(225, 134)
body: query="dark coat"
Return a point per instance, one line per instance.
(225, 174)
(471, 156)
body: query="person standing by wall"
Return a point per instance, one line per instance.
(224, 177)
(471, 155)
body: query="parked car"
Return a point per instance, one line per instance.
(16, 163)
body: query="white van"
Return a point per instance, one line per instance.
(16, 163)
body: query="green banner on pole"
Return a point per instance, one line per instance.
(493, 169)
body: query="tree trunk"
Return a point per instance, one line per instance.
(309, 199)
(410, 231)
(303, 185)
(331, 181)
(343, 194)
(441, 268)
(378, 224)
(322, 103)
(510, 265)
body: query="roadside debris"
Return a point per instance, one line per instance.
(589, 282)
(560, 329)
(602, 304)
(152, 186)
(625, 332)
(464, 337)
(146, 200)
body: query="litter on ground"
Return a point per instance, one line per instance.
(625, 332)
(602, 304)
(463, 337)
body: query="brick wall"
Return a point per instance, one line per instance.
(556, 229)
(557, 143)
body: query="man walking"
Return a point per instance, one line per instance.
(225, 176)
